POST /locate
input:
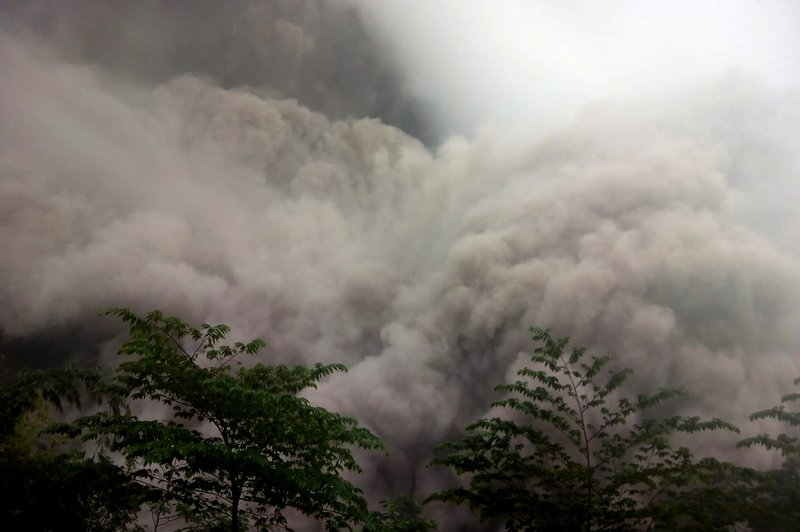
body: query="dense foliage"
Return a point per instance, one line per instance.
(46, 484)
(189, 433)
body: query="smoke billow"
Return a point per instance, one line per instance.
(246, 164)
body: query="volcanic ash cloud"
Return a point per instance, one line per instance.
(349, 240)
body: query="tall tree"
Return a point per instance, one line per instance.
(572, 455)
(239, 445)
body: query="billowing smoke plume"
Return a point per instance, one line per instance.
(149, 157)
(313, 51)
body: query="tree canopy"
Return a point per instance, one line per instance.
(572, 454)
(240, 446)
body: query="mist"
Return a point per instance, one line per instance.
(407, 190)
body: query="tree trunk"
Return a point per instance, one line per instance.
(236, 493)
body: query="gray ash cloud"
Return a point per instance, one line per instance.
(314, 51)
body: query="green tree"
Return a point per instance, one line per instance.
(575, 456)
(240, 446)
(45, 483)
(777, 495)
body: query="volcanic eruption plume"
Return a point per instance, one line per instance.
(406, 190)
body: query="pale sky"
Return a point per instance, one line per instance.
(513, 62)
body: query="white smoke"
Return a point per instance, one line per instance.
(662, 231)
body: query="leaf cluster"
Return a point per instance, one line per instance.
(401, 514)
(778, 491)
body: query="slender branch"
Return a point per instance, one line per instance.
(179, 346)
(225, 363)
(607, 424)
(585, 451)
(200, 343)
